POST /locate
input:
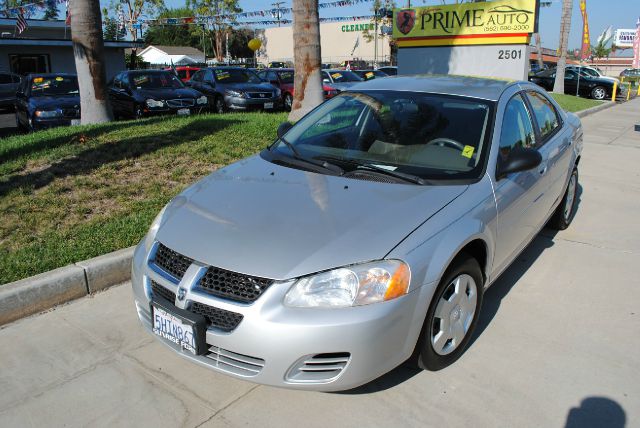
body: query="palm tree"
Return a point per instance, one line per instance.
(306, 58)
(88, 50)
(565, 26)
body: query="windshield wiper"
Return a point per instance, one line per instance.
(361, 165)
(323, 164)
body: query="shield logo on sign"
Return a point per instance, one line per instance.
(405, 20)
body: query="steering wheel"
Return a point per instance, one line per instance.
(447, 142)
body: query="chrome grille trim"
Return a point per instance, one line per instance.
(243, 365)
(260, 95)
(181, 102)
(318, 368)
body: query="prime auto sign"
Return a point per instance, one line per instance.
(624, 38)
(483, 23)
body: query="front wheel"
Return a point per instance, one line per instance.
(219, 105)
(452, 315)
(598, 93)
(565, 212)
(288, 102)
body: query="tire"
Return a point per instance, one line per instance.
(288, 102)
(566, 210)
(19, 126)
(466, 275)
(137, 112)
(219, 105)
(599, 93)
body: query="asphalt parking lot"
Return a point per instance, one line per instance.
(558, 343)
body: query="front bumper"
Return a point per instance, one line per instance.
(38, 123)
(271, 342)
(241, 103)
(174, 111)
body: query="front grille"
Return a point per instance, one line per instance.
(232, 362)
(171, 262)
(216, 317)
(319, 367)
(179, 103)
(159, 290)
(232, 285)
(260, 94)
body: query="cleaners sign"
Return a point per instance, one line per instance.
(483, 23)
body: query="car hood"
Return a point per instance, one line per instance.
(50, 103)
(167, 94)
(261, 219)
(249, 87)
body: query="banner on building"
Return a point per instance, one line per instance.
(482, 23)
(585, 50)
(636, 46)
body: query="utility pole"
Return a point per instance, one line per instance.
(277, 6)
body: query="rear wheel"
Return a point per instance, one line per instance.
(598, 93)
(452, 315)
(219, 105)
(565, 212)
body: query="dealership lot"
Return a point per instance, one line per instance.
(557, 343)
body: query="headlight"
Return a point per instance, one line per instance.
(232, 93)
(153, 230)
(202, 100)
(44, 114)
(151, 103)
(351, 286)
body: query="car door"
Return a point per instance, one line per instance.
(570, 82)
(114, 96)
(554, 143)
(22, 114)
(208, 86)
(518, 195)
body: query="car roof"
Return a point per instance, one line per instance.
(466, 86)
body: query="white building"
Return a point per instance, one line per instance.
(340, 41)
(45, 47)
(166, 55)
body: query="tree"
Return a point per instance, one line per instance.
(380, 20)
(131, 11)
(565, 26)
(88, 51)
(51, 12)
(178, 35)
(601, 50)
(219, 26)
(307, 81)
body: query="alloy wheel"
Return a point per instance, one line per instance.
(599, 93)
(454, 314)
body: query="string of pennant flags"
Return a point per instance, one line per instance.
(30, 8)
(204, 20)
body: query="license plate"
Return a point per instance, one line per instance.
(75, 121)
(268, 105)
(184, 112)
(172, 328)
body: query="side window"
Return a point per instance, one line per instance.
(262, 75)
(544, 112)
(197, 76)
(325, 77)
(570, 75)
(517, 130)
(208, 76)
(271, 76)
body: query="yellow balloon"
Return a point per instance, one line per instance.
(254, 44)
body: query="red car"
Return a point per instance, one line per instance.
(282, 78)
(184, 72)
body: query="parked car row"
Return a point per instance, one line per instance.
(578, 81)
(47, 100)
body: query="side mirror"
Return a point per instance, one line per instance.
(520, 159)
(284, 128)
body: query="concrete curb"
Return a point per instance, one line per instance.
(41, 292)
(587, 112)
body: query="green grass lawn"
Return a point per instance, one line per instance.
(68, 194)
(573, 104)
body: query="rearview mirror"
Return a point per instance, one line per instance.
(284, 128)
(520, 159)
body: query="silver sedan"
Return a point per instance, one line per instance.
(364, 236)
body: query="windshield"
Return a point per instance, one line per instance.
(286, 76)
(155, 81)
(344, 76)
(233, 75)
(54, 85)
(431, 136)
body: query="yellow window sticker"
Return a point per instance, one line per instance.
(59, 79)
(38, 80)
(336, 75)
(467, 152)
(369, 74)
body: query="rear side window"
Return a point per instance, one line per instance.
(544, 112)
(517, 130)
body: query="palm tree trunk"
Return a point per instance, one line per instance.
(88, 50)
(565, 26)
(307, 83)
(539, 48)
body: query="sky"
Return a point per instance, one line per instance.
(601, 13)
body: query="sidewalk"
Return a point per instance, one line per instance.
(557, 342)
